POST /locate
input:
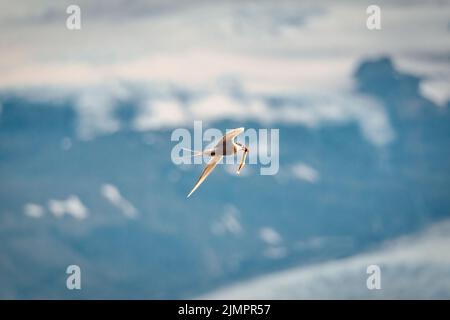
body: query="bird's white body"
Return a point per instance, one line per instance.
(226, 148)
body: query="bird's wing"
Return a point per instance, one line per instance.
(208, 169)
(242, 164)
(230, 135)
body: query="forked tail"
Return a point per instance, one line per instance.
(194, 153)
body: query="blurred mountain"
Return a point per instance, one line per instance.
(233, 228)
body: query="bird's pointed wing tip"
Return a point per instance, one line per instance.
(206, 171)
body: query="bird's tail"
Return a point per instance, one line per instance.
(194, 153)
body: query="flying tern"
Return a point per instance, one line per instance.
(225, 147)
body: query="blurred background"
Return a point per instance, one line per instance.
(86, 176)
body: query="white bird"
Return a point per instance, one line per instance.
(225, 147)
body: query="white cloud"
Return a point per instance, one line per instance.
(275, 252)
(437, 90)
(273, 240)
(71, 206)
(160, 114)
(310, 110)
(96, 106)
(270, 236)
(415, 266)
(112, 194)
(300, 50)
(304, 172)
(33, 210)
(216, 106)
(228, 222)
(271, 48)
